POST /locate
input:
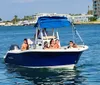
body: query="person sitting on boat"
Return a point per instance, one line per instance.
(72, 45)
(75, 45)
(46, 45)
(52, 44)
(25, 45)
(57, 44)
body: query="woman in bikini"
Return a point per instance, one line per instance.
(57, 46)
(52, 44)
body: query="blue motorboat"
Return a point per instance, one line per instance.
(37, 57)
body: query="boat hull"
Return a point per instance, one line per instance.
(43, 59)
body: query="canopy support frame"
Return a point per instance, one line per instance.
(77, 33)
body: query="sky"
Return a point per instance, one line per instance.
(21, 8)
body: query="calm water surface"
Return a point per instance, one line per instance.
(87, 71)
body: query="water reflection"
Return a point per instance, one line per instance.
(38, 76)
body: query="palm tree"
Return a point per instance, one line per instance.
(15, 19)
(27, 18)
(0, 19)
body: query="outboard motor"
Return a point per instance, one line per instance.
(14, 47)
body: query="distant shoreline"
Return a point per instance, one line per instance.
(80, 23)
(75, 23)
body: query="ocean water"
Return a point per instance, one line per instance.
(87, 71)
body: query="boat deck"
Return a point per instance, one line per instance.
(62, 49)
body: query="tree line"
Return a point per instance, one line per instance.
(16, 19)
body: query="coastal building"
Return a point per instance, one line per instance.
(6, 23)
(2, 23)
(9, 24)
(96, 8)
(81, 18)
(25, 22)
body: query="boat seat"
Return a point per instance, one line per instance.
(30, 41)
(49, 37)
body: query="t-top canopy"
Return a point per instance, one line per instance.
(52, 22)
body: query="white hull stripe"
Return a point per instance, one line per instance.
(60, 66)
